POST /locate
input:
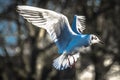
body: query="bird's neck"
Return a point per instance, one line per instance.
(86, 38)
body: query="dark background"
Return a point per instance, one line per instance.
(27, 52)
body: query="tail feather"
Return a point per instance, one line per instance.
(58, 62)
(64, 61)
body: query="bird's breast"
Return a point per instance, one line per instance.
(76, 43)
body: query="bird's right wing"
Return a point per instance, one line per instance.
(56, 24)
(78, 25)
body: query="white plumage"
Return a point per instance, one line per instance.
(67, 40)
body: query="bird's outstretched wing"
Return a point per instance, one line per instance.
(56, 24)
(78, 24)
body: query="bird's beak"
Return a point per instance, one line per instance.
(101, 42)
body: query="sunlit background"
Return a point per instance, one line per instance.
(27, 52)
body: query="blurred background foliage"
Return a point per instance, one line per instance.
(26, 52)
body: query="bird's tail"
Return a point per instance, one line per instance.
(64, 61)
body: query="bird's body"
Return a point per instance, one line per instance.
(77, 42)
(67, 39)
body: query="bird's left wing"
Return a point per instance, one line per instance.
(56, 24)
(78, 25)
(42, 18)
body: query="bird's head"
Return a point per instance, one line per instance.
(94, 40)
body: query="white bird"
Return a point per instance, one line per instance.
(67, 40)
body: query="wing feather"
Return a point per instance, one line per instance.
(56, 24)
(78, 25)
(81, 23)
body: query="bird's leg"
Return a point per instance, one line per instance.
(74, 61)
(71, 65)
(69, 61)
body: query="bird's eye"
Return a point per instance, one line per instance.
(92, 38)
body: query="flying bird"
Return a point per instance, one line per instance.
(68, 40)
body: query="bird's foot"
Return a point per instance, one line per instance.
(71, 61)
